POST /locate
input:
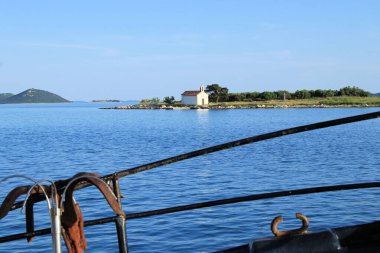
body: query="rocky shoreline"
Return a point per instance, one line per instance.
(222, 107)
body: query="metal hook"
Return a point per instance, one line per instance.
(54, 193)
(302, 230)
(83, 177)
(72, 218)
(53, 212)
(35, 183)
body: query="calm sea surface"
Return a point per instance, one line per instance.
(57, 141)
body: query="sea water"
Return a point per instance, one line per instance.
(56, 141)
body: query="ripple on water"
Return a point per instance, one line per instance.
(58, 141)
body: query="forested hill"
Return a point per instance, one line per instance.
(5, 96)
(34, 96)
(376, 94)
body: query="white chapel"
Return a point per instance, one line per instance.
(195, 97)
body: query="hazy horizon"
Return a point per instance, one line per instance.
(133, 50)
(178, 97)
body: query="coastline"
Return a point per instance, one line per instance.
(227, 107)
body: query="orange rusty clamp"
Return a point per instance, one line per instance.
(302, 230)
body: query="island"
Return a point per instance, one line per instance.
(32, 96)
(220, 98)
(106, 101)
(4, 96)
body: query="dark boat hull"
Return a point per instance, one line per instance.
(358, 238)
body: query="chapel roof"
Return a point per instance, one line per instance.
(191, 93)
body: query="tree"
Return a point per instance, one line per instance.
(354, 91)
(302, 94)
(268, 95)
(330, 93)
(169, 100)
(150, 102)
(282, 94)
(232, 97)
(252, 95)
(319, 93)
(217, 93)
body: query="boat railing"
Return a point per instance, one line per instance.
(114, 178)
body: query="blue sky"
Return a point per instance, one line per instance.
(86, 50)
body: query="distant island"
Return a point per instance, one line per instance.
(106, 101)
(31, 96)
(4, 96)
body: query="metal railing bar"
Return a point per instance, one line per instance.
(224, 146)
(246, 141)
(208, 204)
(252, 198)
(46, 231)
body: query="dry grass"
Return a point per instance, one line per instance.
(370, 101)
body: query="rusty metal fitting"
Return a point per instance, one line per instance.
(302, 230)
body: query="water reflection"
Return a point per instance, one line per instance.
(203, 116)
